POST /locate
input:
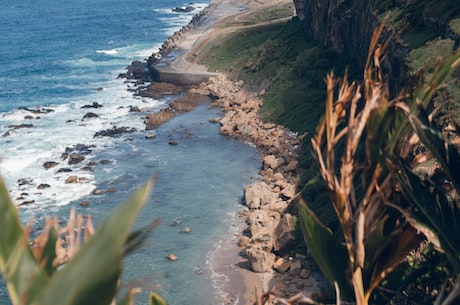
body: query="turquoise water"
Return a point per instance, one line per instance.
(55, 55)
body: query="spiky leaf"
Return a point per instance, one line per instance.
(23, 275)
(92, 275)
(328, 252)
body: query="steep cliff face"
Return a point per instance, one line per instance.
(343, 26)
(346, 27)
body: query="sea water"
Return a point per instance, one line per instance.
(57, 57)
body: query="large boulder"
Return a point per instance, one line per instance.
(284, 233)
(263, 221)
(272, 162)
(259, 194)
(260, 260)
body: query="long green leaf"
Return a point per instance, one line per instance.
(24, 277)
(433, 216)
(328, 252)
(91, 277)
(155, 299)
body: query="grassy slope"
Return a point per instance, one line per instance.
(278, 59)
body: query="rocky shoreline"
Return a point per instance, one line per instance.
(267, 246)
(270, 262)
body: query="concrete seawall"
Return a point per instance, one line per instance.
(183, 78)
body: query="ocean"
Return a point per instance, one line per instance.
(59, 57)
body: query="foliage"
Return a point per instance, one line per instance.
(365, 147)
(90, 277)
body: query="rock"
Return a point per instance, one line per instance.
(186, 230)
(24, 181)
(111, 190)
(98, 192)
(244, 241)
(258, 194)
(214, 120)
(93, 105)
(263, 221)
(63, 170)
(172, 257)
(150, 136)
(295, 268)
(289, 191)
(173, 143)
(304, 274)
(84, 203)
(272, 162)
(75, 159)
(263, 240)
(90, 115)
(292, 166)
(284, 233)
(282, 265)
(71, 179)
(49, 164)
(114, 131)
(43, 186)
(260, 260)
(104, 162)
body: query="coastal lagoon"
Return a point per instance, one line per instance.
(57, 59)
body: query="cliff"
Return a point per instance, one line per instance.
(346, 28)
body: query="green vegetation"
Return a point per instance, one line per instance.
(34, 275)
(369, 227)
(277, 58)
(389, 211)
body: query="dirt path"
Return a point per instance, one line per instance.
(221, 12)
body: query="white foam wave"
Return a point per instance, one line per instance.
(25, 150)
(107, 52)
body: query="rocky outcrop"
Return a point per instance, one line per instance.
(346, 27)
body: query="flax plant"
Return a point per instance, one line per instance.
(92, 259)
(362, 140)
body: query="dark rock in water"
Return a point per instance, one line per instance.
(84, 203)
(134, 109)
(90, 115)
(27, 202)
(114, 131)
(181, 9)
(43, 186)
(14, 127)
(64, 170)
(24, 181)
(75, 159)
(105, 162)
(137, 70)
(49, 164)
(28, 117)
(92, 163)
(81, 149)
(37, 110)
(21, 126)
(173, 143)
(87, 168)
(93, 105)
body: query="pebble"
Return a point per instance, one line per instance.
(172, 257)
